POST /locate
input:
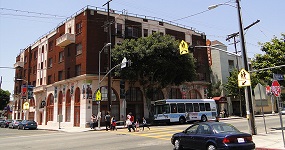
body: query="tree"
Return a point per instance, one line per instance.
(274, 52)
(156, 62)
(4, 98)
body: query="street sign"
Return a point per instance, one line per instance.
(26, 106)
(268, 90)
(98, 96)
(259, 92)
(278, 76)
(183, 47)
(243, 78)
(275, 88)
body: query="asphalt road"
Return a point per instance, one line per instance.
(155, 139)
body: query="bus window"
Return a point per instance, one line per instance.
(202, 106)
(196, 107)
(166, 108)
(189, 107)
(181, 107)
(207, 105)
(173, 108)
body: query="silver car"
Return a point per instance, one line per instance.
(14, 124)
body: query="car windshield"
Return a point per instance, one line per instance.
(222, 128)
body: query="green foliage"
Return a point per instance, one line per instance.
(156, 62)
(274, 52)
(4, 98)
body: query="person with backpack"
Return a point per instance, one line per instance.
(145, 124)
(108, 121)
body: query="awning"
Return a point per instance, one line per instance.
(220, 99)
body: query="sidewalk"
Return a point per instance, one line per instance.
(271, 141)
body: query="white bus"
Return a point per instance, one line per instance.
(184, 110)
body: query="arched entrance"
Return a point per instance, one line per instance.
(134, 99)
(195, 94)
(67, 106)
(32, 114)
(49, 110)
(77, 107)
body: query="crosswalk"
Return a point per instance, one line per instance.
(162, 132)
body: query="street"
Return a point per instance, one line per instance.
(158, 137)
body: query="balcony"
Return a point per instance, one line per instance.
(65, 40)
(19, 64)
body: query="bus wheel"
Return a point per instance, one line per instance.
(203, 118)
(182, 120)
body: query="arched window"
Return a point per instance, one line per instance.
(134, 94)
(174, 93)
(50, 104)
(68, 106)
(194, 94)
(104, 94)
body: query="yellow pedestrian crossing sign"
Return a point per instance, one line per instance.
(183, 47)
(243, 78)
(98, 96)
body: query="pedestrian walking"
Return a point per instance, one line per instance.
(145, 124)
(130, 122)
(93, 121)
(137, 125)
(113, 123)
(108, 121)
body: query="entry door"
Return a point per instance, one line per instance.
(76, 116)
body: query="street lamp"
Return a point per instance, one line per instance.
(248, 96)
(27, 94)
(99, 81)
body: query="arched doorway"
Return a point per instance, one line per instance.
(134, 99)
(49, 110)
(67, 106)
(77, 107)
(115, 105)
(32, 114)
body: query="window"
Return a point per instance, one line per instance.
(207, 105)
(50, 45)
(26, 59)
(196, 107)
(181, 108)
(119, 29)
(189, 107)
(133, 32)
(79, 28)
(78, 49)
(49, 79)
(35, 69)
(60, 75)
(61, 56)
(77, 70)
(145, 32)
(68, 73)
(202, 106)
(160, 23)
(173, 108)
(134, 94)
(50, 63)
(35, 54)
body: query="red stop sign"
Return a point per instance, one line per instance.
(268, 90)
(275, 88)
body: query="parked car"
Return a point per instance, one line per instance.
(5, 123)
(212, 136)
(28, 124)
(14, 124)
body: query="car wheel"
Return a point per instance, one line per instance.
(177, 145)
(182, 120)
(204, 118)
(211, 147)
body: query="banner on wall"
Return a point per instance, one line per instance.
(25, 90)
(88, 89)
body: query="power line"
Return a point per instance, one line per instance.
(30, 12)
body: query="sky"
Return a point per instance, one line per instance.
(22, 22)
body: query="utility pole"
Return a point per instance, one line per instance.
(109, 56)
(248, 96)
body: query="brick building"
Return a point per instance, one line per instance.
(63, 68)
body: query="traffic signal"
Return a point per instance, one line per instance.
(122, 89)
